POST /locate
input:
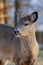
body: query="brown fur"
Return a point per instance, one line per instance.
(21, 50)
(14, 49)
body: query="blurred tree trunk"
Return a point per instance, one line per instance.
(17, 3)
(2, 20)
(3, 12)
(5, 18)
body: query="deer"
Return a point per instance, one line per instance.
(18, 44)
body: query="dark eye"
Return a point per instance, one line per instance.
(26, 24)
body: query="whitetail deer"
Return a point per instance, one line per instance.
(18, 44)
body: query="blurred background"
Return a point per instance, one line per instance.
(24, 7)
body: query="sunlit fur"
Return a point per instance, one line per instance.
(27, 30)
(21, 50)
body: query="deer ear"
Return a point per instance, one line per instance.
(33, 17)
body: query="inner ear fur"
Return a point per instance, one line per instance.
(33, 17)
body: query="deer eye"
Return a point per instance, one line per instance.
(26, 24)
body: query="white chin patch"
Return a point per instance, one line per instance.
(17, 35)
(9, 63)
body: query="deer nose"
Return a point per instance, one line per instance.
(16, 30)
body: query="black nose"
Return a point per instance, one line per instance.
(16, 31)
